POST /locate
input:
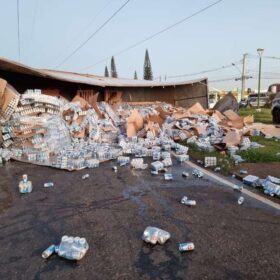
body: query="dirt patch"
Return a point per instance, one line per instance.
(261, 170)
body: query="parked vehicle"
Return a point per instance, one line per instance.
(243, 103)
(253, 99)
(275, 109)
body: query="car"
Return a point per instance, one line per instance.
(253, 100)
(275, 109)
(243, 103)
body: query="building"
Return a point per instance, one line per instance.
(112, 90)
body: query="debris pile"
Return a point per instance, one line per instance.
(270, 185)
(51, 131)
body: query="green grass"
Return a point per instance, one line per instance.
(265, 154)
(223, 160)
(264, 116)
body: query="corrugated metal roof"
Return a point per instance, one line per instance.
(87, 79)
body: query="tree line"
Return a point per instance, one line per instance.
(147, 73)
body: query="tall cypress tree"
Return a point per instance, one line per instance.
(106, 74)
(148, 73)
(135, 75)
(114, 73)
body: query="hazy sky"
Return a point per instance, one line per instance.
(51, 29)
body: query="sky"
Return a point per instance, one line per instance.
(51, 30)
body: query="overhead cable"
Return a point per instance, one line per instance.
(155, 34)
(93, 34)
(205, 71)
(85, 28)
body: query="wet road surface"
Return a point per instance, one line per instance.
(111, 210)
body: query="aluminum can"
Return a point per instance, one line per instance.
(85, 176)
(190, 202)
(187, 246)
(48, 252)
(48, 184)
(240, 200)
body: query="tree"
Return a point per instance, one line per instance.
(148, 73)
(114, 73)
(106, 73)
(135, 75)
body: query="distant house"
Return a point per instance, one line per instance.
(112, 90)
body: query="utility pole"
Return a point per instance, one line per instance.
(243, 77)
(260, 52)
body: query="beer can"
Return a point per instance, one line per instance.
(187, 246)
(48, 184)
(190, 202)
(48, 252)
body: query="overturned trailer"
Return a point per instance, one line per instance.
(97, 88)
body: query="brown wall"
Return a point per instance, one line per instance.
(182, 95)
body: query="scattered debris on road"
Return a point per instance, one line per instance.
(155, 235)
(240, 200)
(48, 184)
(197, 173)
(71, 248)
(25, 186)
(86, 176)
(187, 201)
(270, 185)
(185, 247)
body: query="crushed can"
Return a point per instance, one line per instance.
(168, 176)
(190, 202)
(185, 247)
(86, 176)
(48, 184)
(240, 200)
(197, 173)
(155, 235)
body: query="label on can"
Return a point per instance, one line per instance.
(184, 247)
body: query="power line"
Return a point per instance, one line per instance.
(272, 57)
(85, 28)
(205, 71)
(18, 33)
(223, 80)
(264, 56)
(94, 33)
(264, 72)
(156, 34)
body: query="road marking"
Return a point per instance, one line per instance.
(232, 185)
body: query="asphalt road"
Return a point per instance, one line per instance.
(111, 210)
